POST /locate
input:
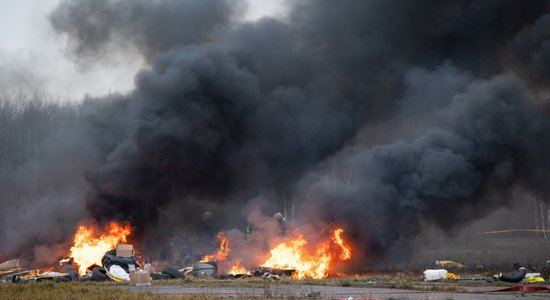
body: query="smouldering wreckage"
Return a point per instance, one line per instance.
(104, 256)
(107, 256)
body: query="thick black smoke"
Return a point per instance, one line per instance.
(461, 165)
(409, 97)
(151, 26)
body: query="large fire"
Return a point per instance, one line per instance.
(222, 252)
(293, 255)
(316, 264)
(89, 247)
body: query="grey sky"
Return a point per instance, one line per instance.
(32, 56)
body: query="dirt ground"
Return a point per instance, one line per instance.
(331, 292)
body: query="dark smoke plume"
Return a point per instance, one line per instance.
(429, 107)
(471, 152)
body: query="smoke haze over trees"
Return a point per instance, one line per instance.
(434, 110)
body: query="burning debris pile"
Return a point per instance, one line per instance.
(91, 257)
(88, 249)
(291, 257)
(103, 255)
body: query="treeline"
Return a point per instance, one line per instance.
(25, 123)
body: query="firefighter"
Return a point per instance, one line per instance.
(281, 220)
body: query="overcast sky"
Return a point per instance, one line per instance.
(32, 56)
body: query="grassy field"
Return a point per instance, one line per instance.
(81, 290)
(111, 290)
(66, 291)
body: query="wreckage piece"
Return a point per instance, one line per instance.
(515, 277)
(118, 274)
(67, 277)
(86, 277)
(99, 274)
(49, 276)
(475, 278)
(448, 264)
(110, 259)
(11, 272)
(537, 279)
(269, 276)
(205, 270)
(10, 268)
(452, 276)
(124, 250)
(234, 276)
(187, 271)
(160, 276)
(273, 271)
(435, 275)
(140, 278)
(14, 277)
(172, 272)
(10, 265)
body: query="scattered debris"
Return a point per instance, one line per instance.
(160, 276)
(99, 274)
(173, 273)
(187, 271)
(536, 279)
(118, 265)
(118, 274)
(10, 265)
(205, 270)
(110, 258)
(452, 276)
(124, 250)
(531, 275)
(515, 277)
(435, 275)
(475, 278)
(269, 276)
(448, 264)
(275, 271)
(149, 268)
(140, 278)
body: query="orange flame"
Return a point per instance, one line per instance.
(222, 252)
(294, 255)
(89, 249)
(337, 238)
(237, 269)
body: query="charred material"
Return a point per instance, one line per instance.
(110, 259)
(274, 271)
(514, 277)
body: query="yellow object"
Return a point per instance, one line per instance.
(448, 264)
(113, 278)
(537, 279)
(452, 276)
(29, 275)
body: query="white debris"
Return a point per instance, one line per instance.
(119, 273)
